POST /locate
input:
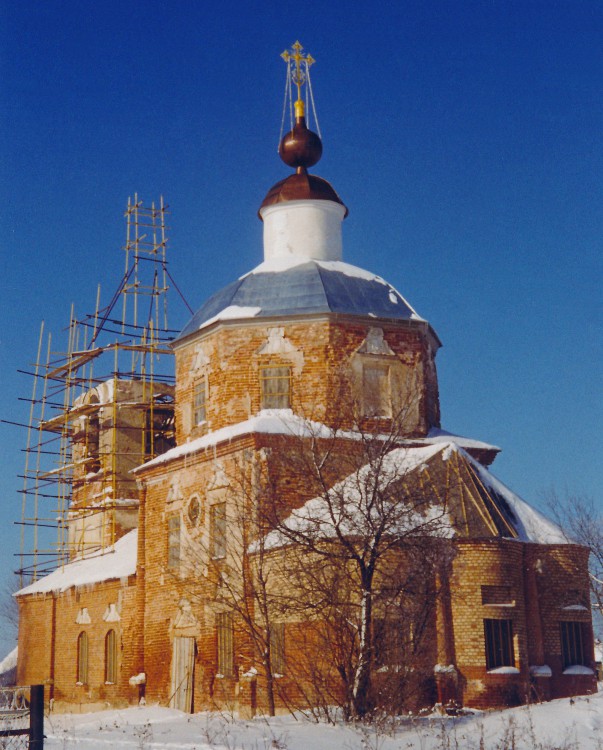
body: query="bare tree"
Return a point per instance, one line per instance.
(582, 522)
(237, 575)
(362, 553)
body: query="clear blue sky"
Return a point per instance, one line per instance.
(465, 137)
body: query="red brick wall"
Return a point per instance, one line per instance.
(53, 661)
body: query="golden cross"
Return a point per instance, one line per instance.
(298, 58)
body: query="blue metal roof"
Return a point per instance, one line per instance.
(310, 287)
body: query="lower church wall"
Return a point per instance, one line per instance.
(49, 647)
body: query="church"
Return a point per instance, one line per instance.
(301, 532)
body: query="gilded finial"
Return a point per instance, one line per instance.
(298, 64)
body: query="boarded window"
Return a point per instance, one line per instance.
(499, 643)
(376, 391)
(225, 634)
(277, 647)
(217, 530)
(174, 542)
(82, 658)
(497, 595)
(110, 657)
(572, 644)
(276, 387)
(199, 401)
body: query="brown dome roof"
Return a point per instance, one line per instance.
(301, 186)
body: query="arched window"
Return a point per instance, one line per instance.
(110, 657)
(82, 658)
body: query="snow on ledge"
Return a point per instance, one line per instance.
(444, 669)
(267, 421)
(118, 561)
(504, 670)
(542, 670)
(578, 669)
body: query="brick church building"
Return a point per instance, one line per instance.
(307, 356)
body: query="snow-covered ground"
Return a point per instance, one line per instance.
(563, 725)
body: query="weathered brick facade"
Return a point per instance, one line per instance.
(510, 620)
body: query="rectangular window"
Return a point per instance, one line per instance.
(499, 643)
(393, 640)
(225, 634)
(110, 657)
(217, 530)
(277, 647)
(276, 387)
(174, 542)
(572, 644)
(502, 595)
(375, 390)
(82, 658)
(199, 402)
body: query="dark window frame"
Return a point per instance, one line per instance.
(498, 637)
(573, 643)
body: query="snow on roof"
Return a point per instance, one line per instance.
(233, 312)
(119, 561)
(323, 518)
(436, 435)
(302, 286)
(267, 421)
(350, 504)
(531, 525)
(9, 662)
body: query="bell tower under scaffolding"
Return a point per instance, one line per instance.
(102, 406)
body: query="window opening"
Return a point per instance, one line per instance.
(276, 387)
(217, 530)
(194, 510)
(110, 657)
(376, 391)
(501, 595)
(572, 644)
(499, 643)
(200, 402)
(173, 542)
(277, 647)
(225, 633)
(82, 658)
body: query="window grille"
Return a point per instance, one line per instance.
(217, 530)
(376, 390)
(276, 387)
(225, 633)
(82, 658)
(110, 657)
(573, 649)
(277, 647)
(499, 643)
(174, 542)
(200, 402)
